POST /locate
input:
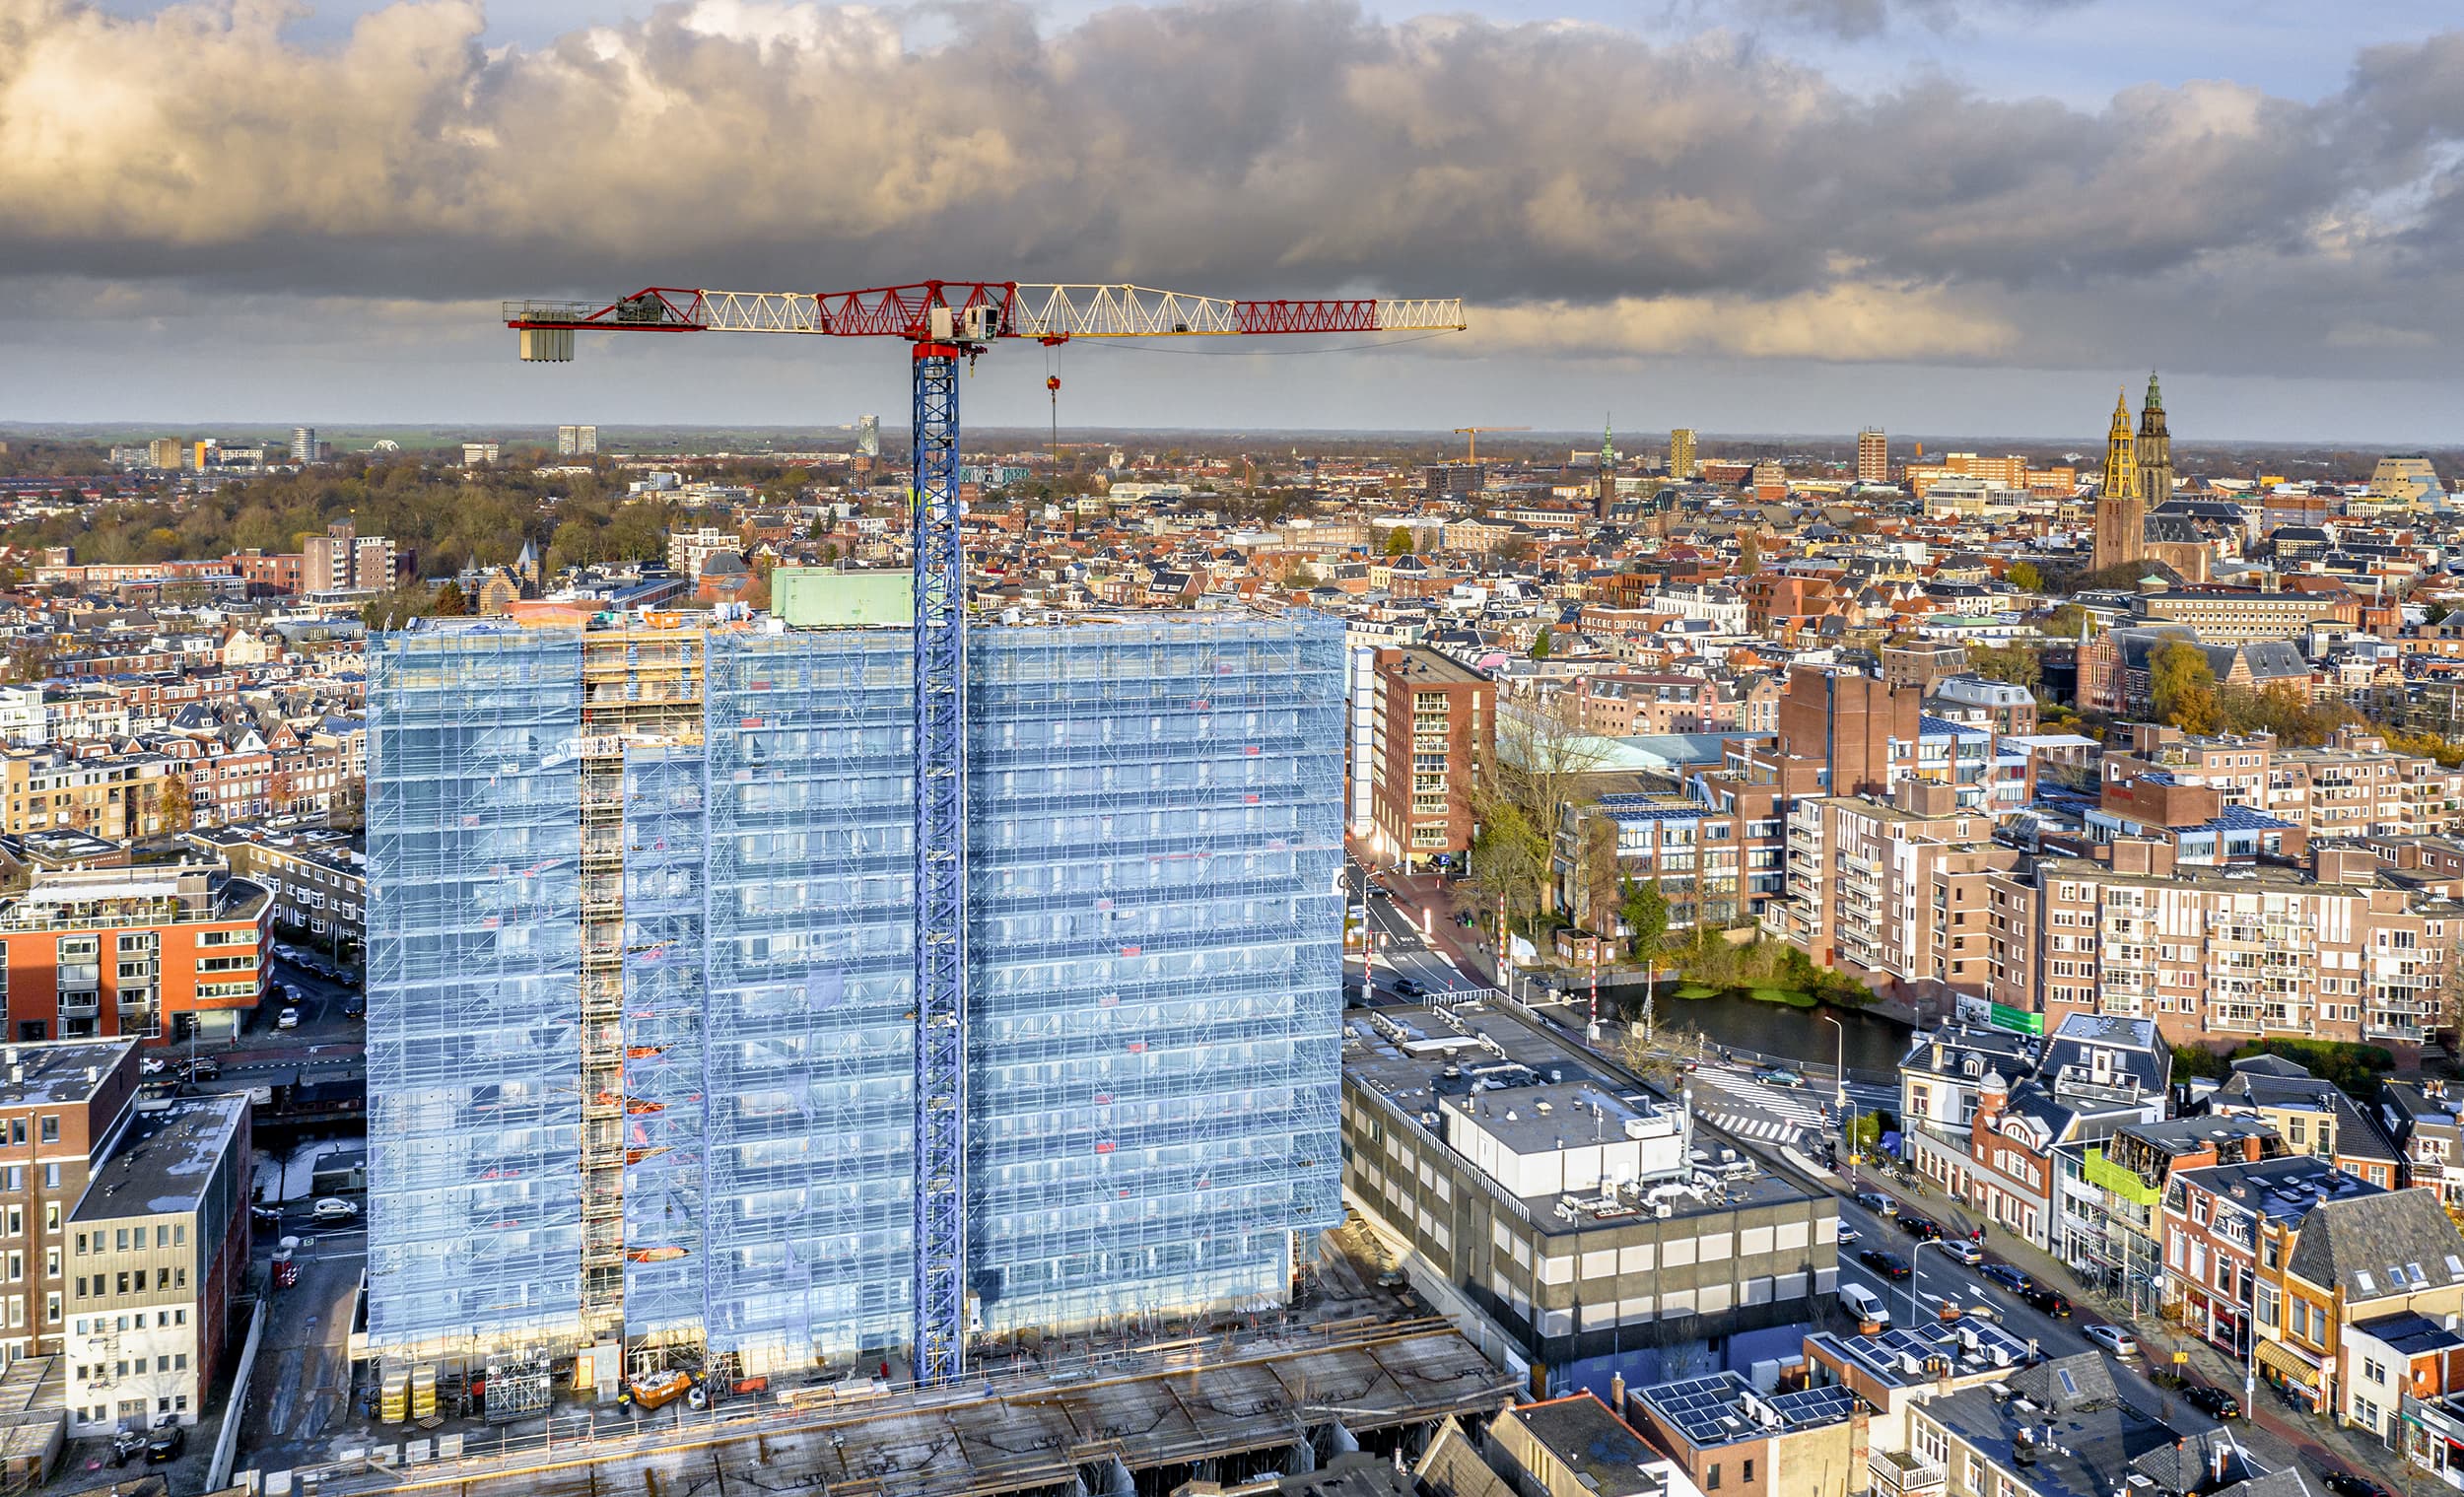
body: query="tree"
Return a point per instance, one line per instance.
(1540, 643)
(2015, 663)
(2064, 622)
(2025, 577)
(1601, 874)
(174, 807)
(451, 603)
(1518, 800)
(1645, 914)
(1399, 541)
(1748, 552)
(2181, 688)
(29, 659)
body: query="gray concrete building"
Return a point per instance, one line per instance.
(1562, 1210)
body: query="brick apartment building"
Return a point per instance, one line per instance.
(1434, 731)
(157, 952)
(1893, 891)
(61, 1108)
(2332, 951)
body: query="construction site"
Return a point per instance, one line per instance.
(643, 1021)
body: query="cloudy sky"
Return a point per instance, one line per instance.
(1940, 215)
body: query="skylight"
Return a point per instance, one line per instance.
(2361, 1276)
(2070, 1384)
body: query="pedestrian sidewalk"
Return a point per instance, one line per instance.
(2314, 1438)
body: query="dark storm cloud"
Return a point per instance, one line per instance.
(1595, 190)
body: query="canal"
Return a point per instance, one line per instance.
(1873, 1043)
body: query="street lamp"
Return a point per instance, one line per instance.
(1839, 1072)
(1915, 1273)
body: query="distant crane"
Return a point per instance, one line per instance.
(945, 321)
(1470, 436)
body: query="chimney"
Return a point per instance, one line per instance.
(2215, 1462)
(1617, 1393)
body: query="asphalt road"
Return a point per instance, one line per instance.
(1937, 1276)
(1401, 951)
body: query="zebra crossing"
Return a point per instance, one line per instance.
(1748, 1109)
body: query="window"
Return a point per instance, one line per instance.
(52, 1181)
(2374, 1369)
(1748, 1473)
(1713, 1483)
(51, 1129)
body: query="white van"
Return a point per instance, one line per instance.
(1865, 1304)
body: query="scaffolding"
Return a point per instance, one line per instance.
(475, 1070)
(1154, 824)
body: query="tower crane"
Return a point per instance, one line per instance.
(1470, 436)
(943, 322)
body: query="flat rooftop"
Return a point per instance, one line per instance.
(1404, 1055)
(1904, 1356)
(58, 1073)
(2280, 1189)
(165, 1160)
(1724, 1408)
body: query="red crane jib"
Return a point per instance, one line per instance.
(901, 312)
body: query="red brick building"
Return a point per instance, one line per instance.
(1434, 731)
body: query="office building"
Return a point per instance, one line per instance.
(303, 444)
(159, 951)
(157, 1249)
(576, 441)
(1559, 1209)
(1681, 453)
(166, 453)
(1873, 456)
(641, 976)
(476, 453)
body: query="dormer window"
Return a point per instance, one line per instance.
(1972, 1065)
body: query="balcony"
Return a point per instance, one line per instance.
(1899, 1473)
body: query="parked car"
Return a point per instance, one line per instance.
(265, 1216)
(153, 1065)
(1878, 1203)
(2346, 1484)
(2213, 1402)
(1849, 1235)
(167, 1445)
(2113, 1339)
(289, 1018)
(1921, 1228)
(201, 1068)
(2008, 1277)
(355, 1006)
(1889, 1265)
(1963, 1251)
(2047, 1302)
(333, 1209)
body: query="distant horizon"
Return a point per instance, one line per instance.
(1575, 439)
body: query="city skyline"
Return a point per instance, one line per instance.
(1907, 207)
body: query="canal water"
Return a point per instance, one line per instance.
(1873, 1043)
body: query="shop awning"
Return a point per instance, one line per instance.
(2290, 1362)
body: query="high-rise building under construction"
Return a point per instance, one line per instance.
(640, 980)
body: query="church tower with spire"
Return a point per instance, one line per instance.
(2155, 449)
(2121, 509)
(1608, 474)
